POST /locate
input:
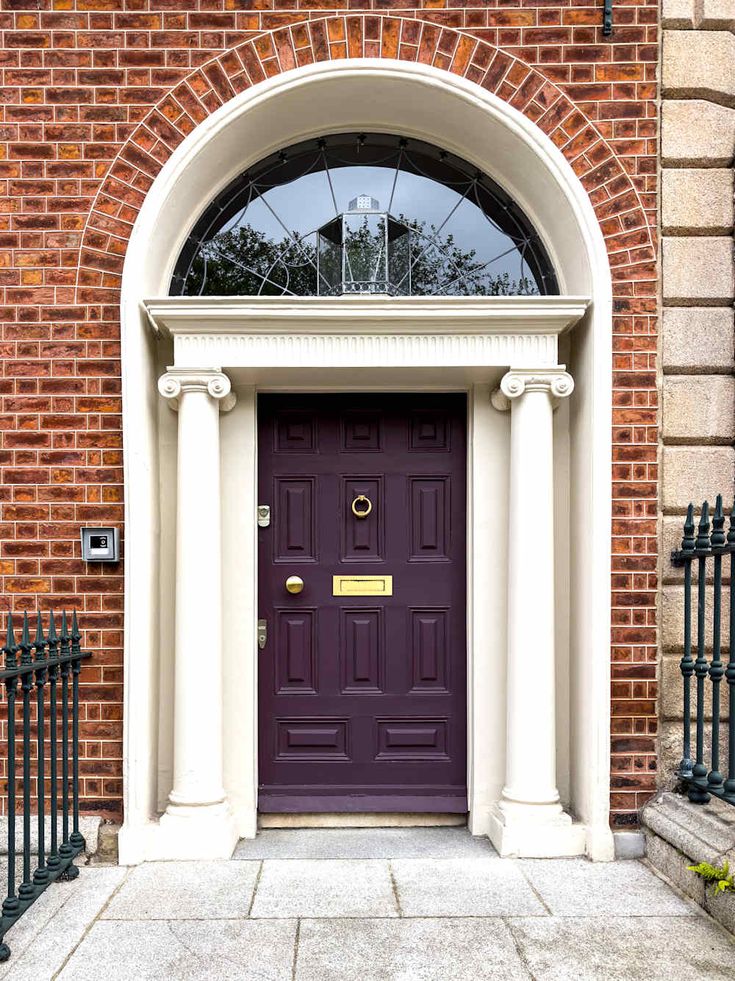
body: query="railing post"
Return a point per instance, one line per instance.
(687, 662)
(716, 669)
(27, 890)
(11, 903)
(729, 785)
(65, 850)
(698, 784)
(76, 838)
(40, 876)
(54, 860)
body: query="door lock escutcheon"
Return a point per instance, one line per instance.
(264, 515)
(262, 633)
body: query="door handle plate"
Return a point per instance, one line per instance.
(262, 633)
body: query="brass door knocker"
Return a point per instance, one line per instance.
(364, 512)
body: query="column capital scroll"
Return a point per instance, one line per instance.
(213, 381)
(556, 382)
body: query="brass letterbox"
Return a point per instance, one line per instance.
(362, 585)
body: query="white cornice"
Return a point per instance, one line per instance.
(372, 315)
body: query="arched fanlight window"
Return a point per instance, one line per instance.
(363, 213)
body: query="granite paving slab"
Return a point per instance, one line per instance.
(644, 948)
(349, 843)
(184, 950)
(577, 887)
(304, 887)
(468, 917)
(444, 949)
(464, 887)
(185, 890)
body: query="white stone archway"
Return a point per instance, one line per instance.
(439, 108)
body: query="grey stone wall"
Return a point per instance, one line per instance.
(698, 288)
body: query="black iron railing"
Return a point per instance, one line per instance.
(707, 548)
(52, 664)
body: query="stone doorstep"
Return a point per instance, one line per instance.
(679, 834)
(89, 827)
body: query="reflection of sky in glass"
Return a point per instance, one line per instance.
(305, 204)
(457, 242)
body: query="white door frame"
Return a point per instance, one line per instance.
(368, 343)
(443, 109)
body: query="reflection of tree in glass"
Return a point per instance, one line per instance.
(245, 262)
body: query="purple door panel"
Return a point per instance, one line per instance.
(362, 698)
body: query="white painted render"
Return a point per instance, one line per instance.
(446, 344)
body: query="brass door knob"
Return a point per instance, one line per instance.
(294, 584)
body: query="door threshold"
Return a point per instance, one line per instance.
(357, 820)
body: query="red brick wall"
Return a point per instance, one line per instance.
(97, 93)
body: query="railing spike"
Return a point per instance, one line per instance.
(40, 641)
(702, 541)
(718, 523)
(731, 529)
(52, 636)
(688, 541)
(25, 641)
(25, 637)
(75, 632)
(11, 648)
(64, 629)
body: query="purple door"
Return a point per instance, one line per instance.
(362, 681)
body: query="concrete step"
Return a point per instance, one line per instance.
(680, 834)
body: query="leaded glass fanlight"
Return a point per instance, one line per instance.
(365, 214)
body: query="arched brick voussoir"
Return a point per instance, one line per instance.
(613, 195)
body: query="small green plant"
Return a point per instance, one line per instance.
(719, 877)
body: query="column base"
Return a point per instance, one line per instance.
(186, 832)
(530, 831)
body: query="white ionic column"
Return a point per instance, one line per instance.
(529, 820)
(198, 822)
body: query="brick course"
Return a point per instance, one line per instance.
(97, 93)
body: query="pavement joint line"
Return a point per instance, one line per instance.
(394, 884)
(297, 937)
(255, 888)
(408, 916)
(92, 922)
(519, 950)
(534, 890)
(363, 858)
